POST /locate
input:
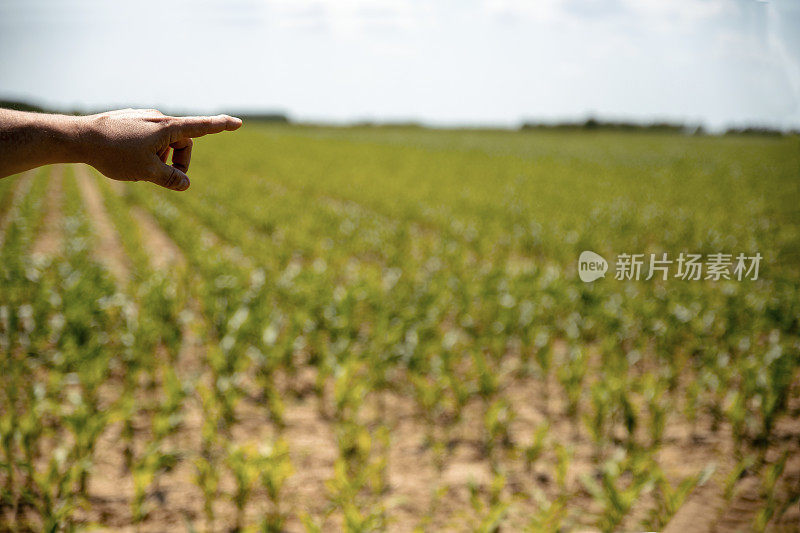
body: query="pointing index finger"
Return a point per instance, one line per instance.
(199, 126)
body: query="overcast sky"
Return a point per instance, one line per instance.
(498, 62)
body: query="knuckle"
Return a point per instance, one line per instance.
(170, 122)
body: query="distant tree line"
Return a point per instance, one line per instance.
(411, 124)
(759, 130)
(279, 118)
(590, 124)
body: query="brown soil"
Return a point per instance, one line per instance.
(109, 250)
(163, 252)
(48, 241)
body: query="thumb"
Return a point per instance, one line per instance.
(170, 177)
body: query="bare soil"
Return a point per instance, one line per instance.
(48, 241)
(109, 250)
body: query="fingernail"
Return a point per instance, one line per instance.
(184, 184)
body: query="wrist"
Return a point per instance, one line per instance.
(60, 138)
(73, 138)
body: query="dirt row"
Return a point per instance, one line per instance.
(20, 190)
(111, 484)
(48, 241)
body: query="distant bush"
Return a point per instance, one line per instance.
(264, 117)
(755, 130)
(592, 123)
(388, 124)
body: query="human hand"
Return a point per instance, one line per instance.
(134, 144)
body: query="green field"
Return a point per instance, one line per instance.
(384, 329)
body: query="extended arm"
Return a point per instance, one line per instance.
(128, 145)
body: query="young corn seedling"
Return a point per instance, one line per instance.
(658, 407)
(670, 498)
(127, 411)
(769, 480)
(428, 394)
(354, 443)
(167, 418)
(224, 387)
(364, 521)
(571, 374)
(497, 421)
(30, 433)
(779, 375)
(56, 501)
(630, 417)
(212, 421)
(265, 370)
(535, 449)
(737, 416)
(86, 424)
(691, 405)
(245, 464)
(563, 460)
(276, 468)
(8, 422)
(207, 478)
(488, 379)
(598, 417)
(377, 471)
(543, 348)
(614, 493)
(742, 466)
(491, 510)
(549, 514)
(344, 489)
(146, 470)
(349, 390)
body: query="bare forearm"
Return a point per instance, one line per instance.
(29, 140)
